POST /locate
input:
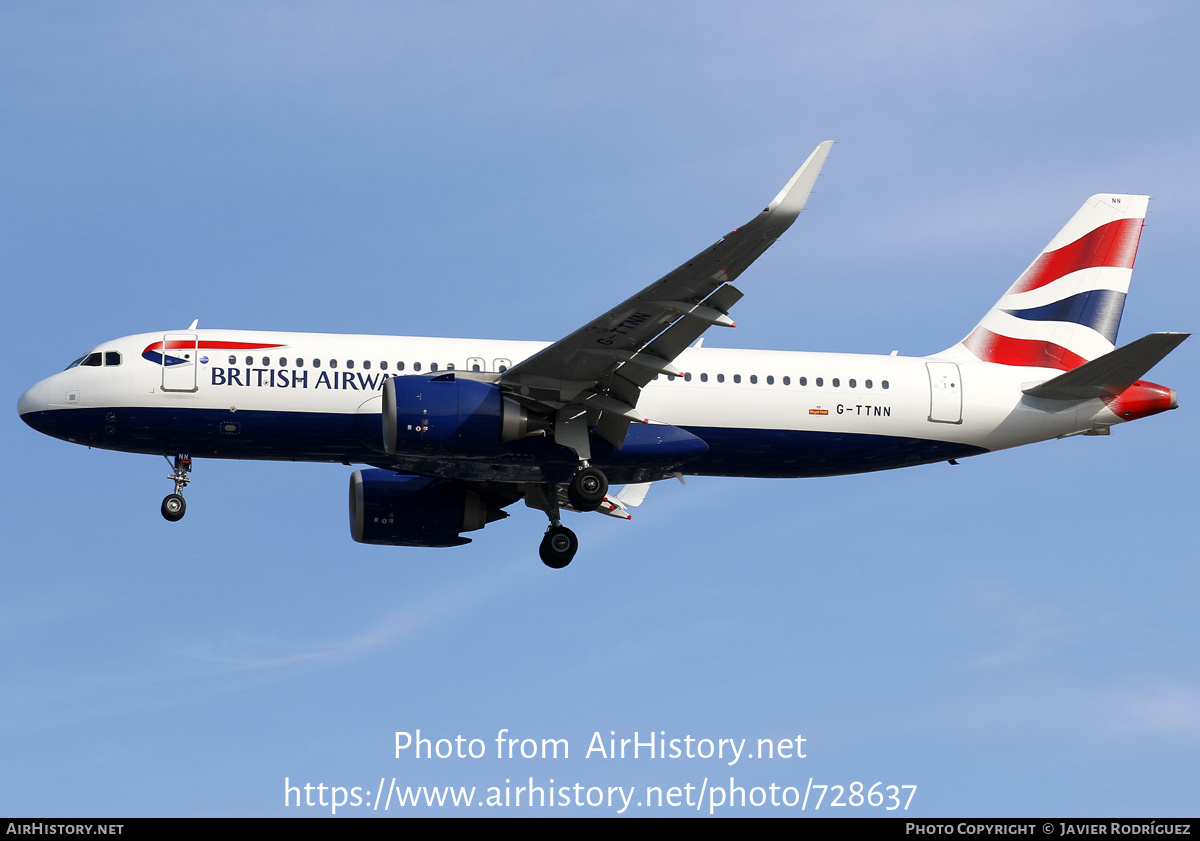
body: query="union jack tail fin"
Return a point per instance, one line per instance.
(1064, 310)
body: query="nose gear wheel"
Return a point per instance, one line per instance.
(173, 507)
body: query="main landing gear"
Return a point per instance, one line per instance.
(585, 492)
(174, 506)
(558, 546)
(587, 489)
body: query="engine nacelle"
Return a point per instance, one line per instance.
(387, 509)
(449, 416)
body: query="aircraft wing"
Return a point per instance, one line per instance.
(600, 369)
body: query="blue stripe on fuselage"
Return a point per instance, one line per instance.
(311, 436)
(792, 453)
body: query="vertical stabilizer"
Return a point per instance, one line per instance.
(1064, 310)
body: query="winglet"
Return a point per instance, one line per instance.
(794, 195)
(631, 496)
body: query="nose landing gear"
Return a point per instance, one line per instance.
(173, 505)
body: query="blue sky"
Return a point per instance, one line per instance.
(1015, 636)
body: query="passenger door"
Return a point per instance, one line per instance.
(180, 353)
(945, 392)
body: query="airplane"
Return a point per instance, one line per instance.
(453, 431)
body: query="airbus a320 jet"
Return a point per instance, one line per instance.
(453, 431)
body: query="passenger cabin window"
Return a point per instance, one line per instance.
(382, 366)
(720, 378)
(316, 363)
(737, 378)
(299, 362)
(754, 379)
(367, 364)
(349, 363)
(787, 380)
(704, 378)
(416, 366)
(820, 381)
(399, 366)
(232, 359)
(332, 363)
(249, 360)
(433, 366)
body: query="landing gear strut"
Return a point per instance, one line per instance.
(585, 492)
(173, 505)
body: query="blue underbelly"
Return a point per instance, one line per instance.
(650, 452)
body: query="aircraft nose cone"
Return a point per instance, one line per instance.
(33, 403)
(33, 400)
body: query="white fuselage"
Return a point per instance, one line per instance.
(833, 407)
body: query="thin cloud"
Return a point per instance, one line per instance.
(1025, 631)
(1163, 710)
(249, 654)
(181, 675)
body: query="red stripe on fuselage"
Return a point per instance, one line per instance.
(1025, 353)
(1112, 245)
(177, 344)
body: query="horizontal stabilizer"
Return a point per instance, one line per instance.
(1111, 373)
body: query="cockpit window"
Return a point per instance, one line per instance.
(95, 360)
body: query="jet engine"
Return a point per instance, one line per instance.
(388, 509)
(446, 415)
